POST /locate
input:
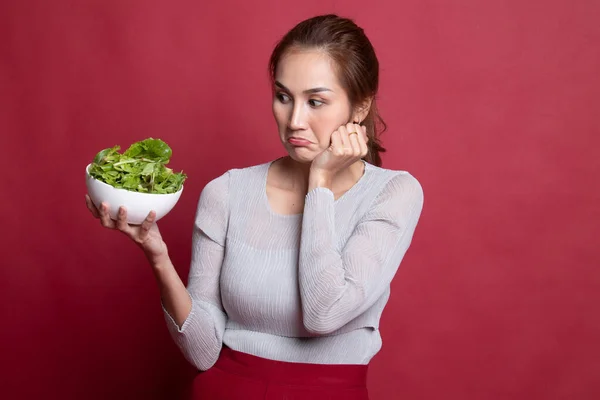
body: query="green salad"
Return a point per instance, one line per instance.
(141, 168)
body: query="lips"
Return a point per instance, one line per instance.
(296, 141)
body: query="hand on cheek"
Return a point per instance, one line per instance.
(348, 145)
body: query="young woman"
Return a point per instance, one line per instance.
(292, 259)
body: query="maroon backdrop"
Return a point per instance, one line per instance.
(493, 106)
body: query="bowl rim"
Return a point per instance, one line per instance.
(87, 174)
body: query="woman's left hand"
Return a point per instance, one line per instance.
(348, 145)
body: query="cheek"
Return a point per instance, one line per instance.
(324, 124)
(280, 113)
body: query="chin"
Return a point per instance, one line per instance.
(301, 155)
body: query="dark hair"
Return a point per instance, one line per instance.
(356, 62)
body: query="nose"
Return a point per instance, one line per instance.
(298, 118)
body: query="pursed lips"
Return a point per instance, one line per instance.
(299, 140)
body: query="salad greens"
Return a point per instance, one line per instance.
(141, 168)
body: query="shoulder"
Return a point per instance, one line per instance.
(251, 172)
(396, 190)
(395, 182)
(227, 180)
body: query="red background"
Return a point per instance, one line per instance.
(493, 106)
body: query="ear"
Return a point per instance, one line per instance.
(361, 111)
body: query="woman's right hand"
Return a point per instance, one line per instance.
(146, 236)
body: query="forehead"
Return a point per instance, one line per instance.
(306, 69)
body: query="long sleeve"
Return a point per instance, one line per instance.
(200, 337)
(335, 286)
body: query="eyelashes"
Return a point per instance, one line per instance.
(284, 99)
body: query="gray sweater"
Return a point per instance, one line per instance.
(308, 287)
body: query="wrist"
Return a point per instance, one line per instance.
(162, 268)
(319, 178)
(159, 261)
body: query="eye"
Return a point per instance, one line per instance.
(315, 103)
(282, 97)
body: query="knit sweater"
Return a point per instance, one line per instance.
(307, 287)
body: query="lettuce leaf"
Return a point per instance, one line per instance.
(141, 168)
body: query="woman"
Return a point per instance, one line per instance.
(293, 259)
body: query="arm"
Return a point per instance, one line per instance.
(337, 287)
(195, 316)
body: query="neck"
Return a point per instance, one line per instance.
(298, 174)
(298, 169)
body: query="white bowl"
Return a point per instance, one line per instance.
(138, 205)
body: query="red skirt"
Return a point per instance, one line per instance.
(243, 376)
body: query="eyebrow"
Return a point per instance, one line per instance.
(307, 91)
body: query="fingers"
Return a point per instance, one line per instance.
(105, 217)
(353, 138)
(356, 150)
(364, 149)
(336, 143)
(90, 205)
(122, 224)
(137, 233)
(349, 140)
(147, 224)
(357, 140)
(346, 140)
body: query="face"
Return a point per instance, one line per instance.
(308, 103)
